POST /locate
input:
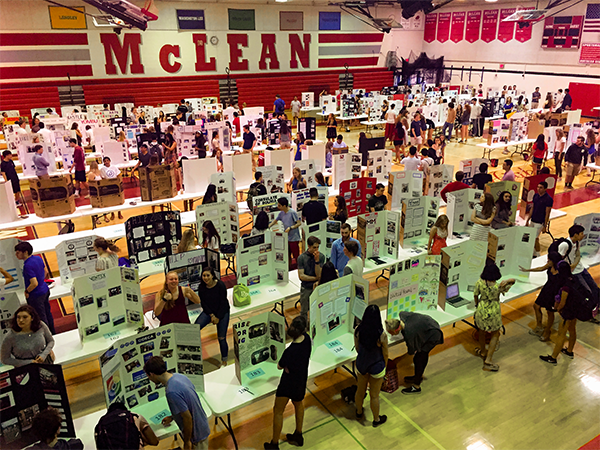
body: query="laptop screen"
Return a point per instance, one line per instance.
(452, 291)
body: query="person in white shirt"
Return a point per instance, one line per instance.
(296, 105)
(390, 123)
(22, 124)
(411, 162)
(559, 99)
(426, 163)
(134, 116)
(45, 134)
(475, 115)
(339, 143)
(108, 171)
(354, 264)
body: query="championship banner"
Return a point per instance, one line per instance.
(490, 22)
(430, 25)
(473, 26)
(506, 30)
(458, 27)
(443, 29)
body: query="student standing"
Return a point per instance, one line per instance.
(503, 211)
(7, 168)
(454, 186)
(338, 255)
(539, 215)
(438, 235)
(296, 105)
(292, 386)
(416, 132)
(40, 163)
(79, 166)
(378, 201)
(390, 123)
(309, 270)
(482, 178)
(37, 292)
(354, 264)
(449, 124)
(184, 404)
(331, 128)
(314, 211)
(574, 157)
(341, 211)
(482, 216)
(540, 152)
(279, 105)
(536, 96)
(509, 175)
(107, 254)
(464, 122)
(559, 152)
(291, 223)
(169, 302)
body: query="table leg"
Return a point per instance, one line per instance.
(382, 275)
(592, 179)
(230, 429)
(351, 371)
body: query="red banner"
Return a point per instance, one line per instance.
(430, 24)
(523, 34)
(506, 30)
(590, 54)
(443, 28)
(458, 27)
(473, 25)
(488, 28)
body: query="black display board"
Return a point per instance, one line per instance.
(153, 236)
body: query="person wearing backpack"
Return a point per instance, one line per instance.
(184, 404)
(569, 249)
(119, 428)
(257, 188)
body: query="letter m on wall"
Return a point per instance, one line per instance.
(124, 52)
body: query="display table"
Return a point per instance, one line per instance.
(372, 123)
(554, 214)
(305, 110)
(518, 144)
(595, 168)
(351, 118)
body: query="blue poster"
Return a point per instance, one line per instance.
(190, 19)
(330, 21)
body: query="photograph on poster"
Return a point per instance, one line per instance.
(152, 236)
(418, 216)
(224, 217)
(262, 259)
(189, 266)
(439, 177)
(356, 193)
(511, 248)
(404, 184)
(273, 178)
(346, 166)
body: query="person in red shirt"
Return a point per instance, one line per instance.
(79, 166)
(454, 186)
(540, 152)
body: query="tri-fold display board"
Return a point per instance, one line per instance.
(470, 167)
(327, 231)
(225, 183)
(268, 204)
(258, 344)
(107, 302)
(122, 365)
(26, 152)
(511, 248)
(346, 166)
(591, 237)
(273, 177)
(153, 236)
(403, 185)
(462, 264)
(301, 196)
(10, 263)
(439, 177)
(460, 208)
(308, 169)
(24, 392)
(189, 266)
(262, 258)
(378, 234)
(356, 193)
(379, 164)
(336, 308)
(224, 217)
(418, 216)
(414, 285)
(513, 187)
(76, 257)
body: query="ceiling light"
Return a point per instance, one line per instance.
(491, 1)
(281, 1)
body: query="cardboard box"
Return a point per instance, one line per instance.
(53, 196)
(107, 192)
(535, 128)
(157, 182)
(558, 119)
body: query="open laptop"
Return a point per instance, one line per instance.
(453, 296)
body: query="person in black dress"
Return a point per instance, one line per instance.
(294, 363)
(546, 296)
(341, 211)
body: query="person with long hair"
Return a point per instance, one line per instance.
(285, 132)
(94, 173)
(75, 131)
(328, 154)
(559, 152)
(508, 107)
(503, 211)
(161, 117)
(215, 308)
(549, 102)
(169, 302)
(261, 224)
(296, 179)
(210, 236)
(28, 340)
(299, 141)
(591, 147)
(371, 345)
(331, 128)
(107, 254)
(188, 241)
(540, 152)
(438, 235)
(488, 315)
(170, 156)
(569, 308)
(465, 120)
(320, 179)
(123, 138)
(328, 273)
(210, 196)
(390, 125)
(292, 386)
(482, 217)
(546, 297)
(341, 211)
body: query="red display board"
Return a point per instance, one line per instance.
(489, 25)
(458, 26)
(523, 34)
(430, 25)
(473, 26)
(443, 27)
(590, 54)
(357, 193)
(585, 97)
(506, 30)
(562, 32)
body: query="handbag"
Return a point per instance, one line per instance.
(390, 380)
(241, 295)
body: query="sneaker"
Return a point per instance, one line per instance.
(360, 416)
(566, 352)
(537, 331)
(594, 320)
(19, 204)
(411, 390)
(295, 438)
(549, 359)
(271, 446)
(381, 421)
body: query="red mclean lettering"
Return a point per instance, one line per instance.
(131, 46)
(202, 65)
(268, 52)
(236, 41)
(165, 52)
(297, 50)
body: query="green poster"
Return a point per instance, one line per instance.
(241, 19)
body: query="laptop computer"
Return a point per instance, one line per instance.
(453, 296)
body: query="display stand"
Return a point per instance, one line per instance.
(379, 164)
(9, 303)
(273, 177)
(315, 152)
(308, 170)
(189, 266)
(418, 216)
(379, 234)
(328, 104)
(116, 151)
(241, 166)
(262, 259)
(7, 200)
(223, 135)
(152, 236)
(511, 248)
(327, 231)
(258, 343)
(511, 186)
(336, 308)
(224, 217)
(268, 204)
(226, 186)
(280, 158)
(439, 177)
(591, 237)
(193, 167)
(26, 391)
(122, 365)
(107, 303)
(414, 285)
(462, 263)
(76, 257)
(186, 139)
(307, 99)
(356, 193)
(470, 167)
(25, 154)
(460, 208)
(346, 166)
(10, 263)
(308, 127)
(301, 196)
(530, 185)
(403, 185)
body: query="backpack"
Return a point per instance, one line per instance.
(117, 430)
(241, 295)
(554, 247)
(252, 192)
(349, 393)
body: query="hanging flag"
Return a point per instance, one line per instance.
(443, 28)
(473, 26)
(590, 38)
(506, 30)
(458, 26)
(430, 25)
(489, 25)
(354, 49)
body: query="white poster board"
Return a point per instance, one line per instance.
(463, 263)
(226, 186)
(308, 99)
(10, 263)
(191, 168)
(223, 134)
(439, 177)
(591, 237)
(327, 231)
(117, 151)
(25, 154)
(512, 248)
(378, 234)
(379, 164)
(7, 200)
(107, 303)
(273, 176)
(76, 257)
(345, 167)
(241, 166)
(224, 217)
(470, 167)
(308, 169)
(262, 259)
(280, 158)
(403, 185)
(418, 216)
(460, 208)
(316, 152)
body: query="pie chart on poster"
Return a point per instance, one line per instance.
(551, 182)
(23, 381)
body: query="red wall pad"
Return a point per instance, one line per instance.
(585, 97)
